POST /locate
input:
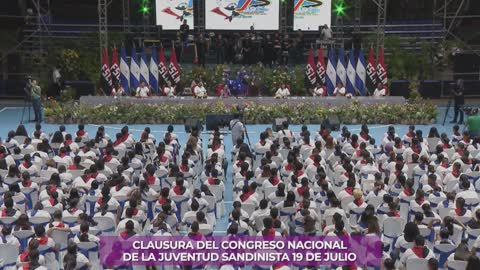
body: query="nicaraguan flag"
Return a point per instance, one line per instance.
(350, 86)
(331, 73)
(360, 74)
(154, 70)
(144, 74)
(124, 71)
(134, 70)
(341, 72)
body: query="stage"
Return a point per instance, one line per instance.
(232, 101)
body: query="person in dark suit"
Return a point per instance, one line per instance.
(459, 101)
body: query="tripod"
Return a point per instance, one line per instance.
(446, 112)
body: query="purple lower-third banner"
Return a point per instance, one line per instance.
(241, 251)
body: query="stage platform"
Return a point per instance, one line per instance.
(232, 101)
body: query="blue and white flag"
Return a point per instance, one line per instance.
(361, 74)
(341, 72)
(134, 70)
(350, 86)
(154, 70)
(144, 74)
(124, 71)
(331, 74)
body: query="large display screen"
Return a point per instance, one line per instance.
(171, 13)
(242, 14)
(310, 14)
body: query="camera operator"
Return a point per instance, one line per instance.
(459, 101)
(237, 128)
(36, 94)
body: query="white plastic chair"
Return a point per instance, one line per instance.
(8, 255)
(105, 224)
(442, 251)
(417, 264)
(457, 265)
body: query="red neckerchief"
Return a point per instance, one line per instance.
(275, 180)
(24, 255)
(177, 190)
(289, 167)
(4, 212)
(28, 183)
(358, 153)
(416, 149)
(52, 188)
(457, 133)
(358, 202)
(245, 196)
(118, 187)
(418, 250)
(397, 172)
(26, 266)
(364, 136)
(80, 133)
(61, 224)
(117, 143)
(300, 191)
(183, 168)
(316, 164)
(215, 148)
(349, 190)
(363, 161)
(271, 232)
(455, 173)
(395, 213)
(151, 179)
(108, 158)
(460, 151)
(355, 145)
(420, 200)
(299, 172)
(100, 200)
(211, 181)
(163, 158)
(446, 146)
(135, 211)
(26, 164)
(43, 240)
(460, 211)
(52, 201)
(162, 200)
(346, 174)
(262, 142)
(144, 135)
(72, 167)
(444, 164)
(465, 140)
(407, 191)
(94, 175)
(239, 163)
(68, 142)
(124, 234)
(62, 155)
(125, 137)
(87, 178)
(410, 134)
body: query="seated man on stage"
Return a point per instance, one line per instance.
(200, 91)
(282, 92)
(142, 90)
(339, 90)
(318, 91)
(380, 91)
(169, 90)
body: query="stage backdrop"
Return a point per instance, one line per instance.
(242, 14)
(310, 14)
(171, 13)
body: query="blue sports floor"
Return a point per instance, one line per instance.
(10, 117)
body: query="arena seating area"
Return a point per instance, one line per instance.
(415, 190)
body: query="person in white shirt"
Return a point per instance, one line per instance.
(282, 92)
(200, 91)
(339, 90)
(169, 90)
(142, 90)
(118, 91)
(318, 91)
(380, 91)
(418, 251)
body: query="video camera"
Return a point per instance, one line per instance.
(28, 86)
(470, 111)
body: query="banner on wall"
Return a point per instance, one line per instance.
(310, 14)
(242, 14)
(171, 13)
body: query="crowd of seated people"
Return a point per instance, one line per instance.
(418, 193)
